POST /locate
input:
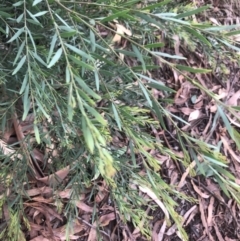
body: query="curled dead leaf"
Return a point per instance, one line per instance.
(194, 115)
(121, 30)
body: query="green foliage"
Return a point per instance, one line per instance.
(50, 68)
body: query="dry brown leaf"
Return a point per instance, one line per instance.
(220, 238)
(222, 93)
(103, 221)
(232, 121)
(229, 239)
(203, 218)
(121, 30)
(176, 45)
(185, 174)
(198, 191)
(84, 207)
(42, 199)
(210, 212)
(233, 101)
(56, 177)
(162, 231)
(76, 227)
(214, 20)
(152, 195)
(155, 230)
(194, 115)
(44, 209)
(191, 216)
(213, 108)
(20, 136)
(40, 190)
(37, 155)
(235, 38)
(230, 150)
(202, 81)
(186, 110)
(172, 229)
(40, 238)
(199, 102)
(173, 177)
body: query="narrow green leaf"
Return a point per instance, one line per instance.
(55, 58)
(221, 28)
(64, 22)
(223, 186)
(97, 81)
(87, 88)
(4, 14)
(148, 19)
(67, 73)
(87, 135)
(68, 34)
(139, 56)
(18, 3)
(125, 52)
(166, 14)
(20, 64)
(16, 35)
(224, 172)
(35, 2)
(20, 17)
(36, 132)
(236, 138)
(41, 108)
(174, 20)
(26, 102)
(192, 12)
(146, 94)
(159, 114)
(199, 36)
(33, 22)
(178, 118)
(81, 63)
(70, 107)
(167, 55)
(38, 58)
(232, 33)
(79, 52)
(32, 16)
(213, 160)
(117, 119)
(93, 41)
(156, 5)
(53, 43)
(226, 121)
(40, 13)
(114, 16)
(32, 40)
(106, 50)
(24, 84)
(86, 97)
(98, 117)
(193, 70)
(19, 52)
(156, 84)
(229, 45)
(161, 87)
(154, 45)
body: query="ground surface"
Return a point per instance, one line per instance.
(211, 215)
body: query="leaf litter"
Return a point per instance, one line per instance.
(213, 216)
